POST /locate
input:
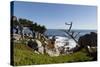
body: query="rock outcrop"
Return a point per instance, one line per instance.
(89, 41)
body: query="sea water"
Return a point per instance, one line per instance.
(58, 32)
(61, 38)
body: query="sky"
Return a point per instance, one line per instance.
(54, 16)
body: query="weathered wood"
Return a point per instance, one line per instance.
(76, 34)
(69, 27)
(71, 34)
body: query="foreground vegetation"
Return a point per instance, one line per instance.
(23, 55)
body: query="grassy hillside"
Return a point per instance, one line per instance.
(23, 55)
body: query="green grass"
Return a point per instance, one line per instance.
(23, 55)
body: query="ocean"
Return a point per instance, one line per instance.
(58, 32)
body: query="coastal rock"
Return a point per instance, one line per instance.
(36, 45)
(89, 41)
(40, 47)
(16, 37)
(33, 45)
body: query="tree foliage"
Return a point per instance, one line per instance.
(33, 26)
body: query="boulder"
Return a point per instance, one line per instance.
(33, 45)
(89, 41)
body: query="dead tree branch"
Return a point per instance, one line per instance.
(76, 34)
(69, 27)
(71, 34)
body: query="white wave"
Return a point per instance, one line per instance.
(64, 41)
